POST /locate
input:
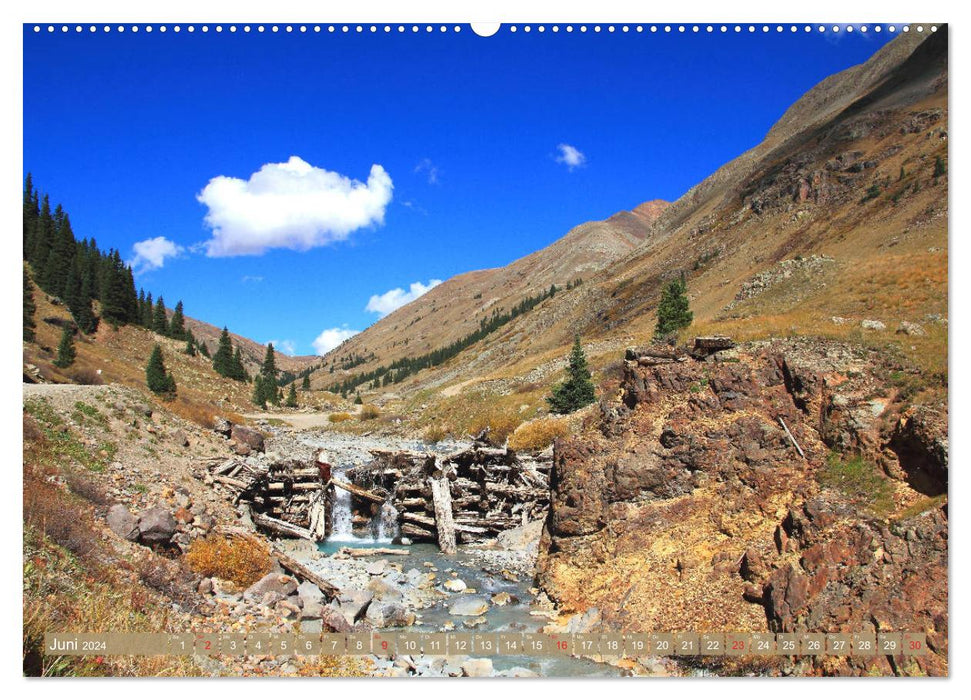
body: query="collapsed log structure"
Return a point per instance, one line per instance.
(469, 495)
(462, 497)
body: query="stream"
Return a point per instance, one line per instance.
(431, 603)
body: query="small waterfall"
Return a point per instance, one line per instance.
(340, 516)
(387, 522)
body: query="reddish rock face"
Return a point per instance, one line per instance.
(691, 508)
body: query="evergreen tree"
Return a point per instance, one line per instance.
(203, 349)
(148, 310)
(57, 267)
(291, 401)
(237, 370)
(29, 307)
(159, 320)
(306, 383)
(31, 214)
(357, 400)
(65, 349)
(43, 237)
(259, 391)
(190, 348)
(159, 380)
(939, 168)
(268, 371)
(577, 390)
(222, 361)
(177, 324)
(672, 312)
(115, 305)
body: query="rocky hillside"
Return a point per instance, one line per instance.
(835, 226)
(252, 351)
(455, 308)
(687, 506)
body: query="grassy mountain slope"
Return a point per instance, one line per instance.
(839, 216)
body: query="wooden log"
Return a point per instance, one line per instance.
(358, 491)
(413, 530)
(377, 551)
(430, 523)
(442, 498)
(280, 527)
(228, 481)
(317, 516)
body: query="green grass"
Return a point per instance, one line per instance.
(860, 481)
(85, 412)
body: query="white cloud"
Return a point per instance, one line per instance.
(384, 304)
(570, 156)
(290, 205)
(287, 347)
(427, 166)
(255, 279)
(151, 253)
(331, 338)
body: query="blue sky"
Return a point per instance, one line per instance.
(287, 184)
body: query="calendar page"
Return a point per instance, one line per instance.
(517, 350)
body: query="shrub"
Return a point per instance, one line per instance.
(339, 417)
(238, 560)
(434, 433)
(501, 425)
(369, 412)
(86, 376)
(537, 434)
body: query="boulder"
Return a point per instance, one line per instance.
(275, 583)
(377, 568)
(389, 614)
(477, 668)
(222, 426)
(909, 328)
(122, 522)
(455, 585)
(523, 538)
(469, 606)
(156, 526)
(869, 324)
(247, 436)
(502, 598)
(179, 438)
(383, 589)
(353, 602)
(334, 619)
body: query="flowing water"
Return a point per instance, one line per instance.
(467, 564)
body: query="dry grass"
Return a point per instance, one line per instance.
(339, 417)
(237, 560)
(434, 433)
(538, 434)
(369, 412)
(499, 423)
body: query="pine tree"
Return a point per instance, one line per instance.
(259, 391)
(672, 312)
(222, 360)
(577, 390)
(291, 401)
(190, 348)
(204, 350)
(306, 383)
(65, 349)
(158, 379)
(148, 311)
(237, 370)
(159, 320)
(177, 324)
(939, 168)
(268, 371)
(57, 267)
(358, 400)
(31, 214)
(43, 237)
(29, 308)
